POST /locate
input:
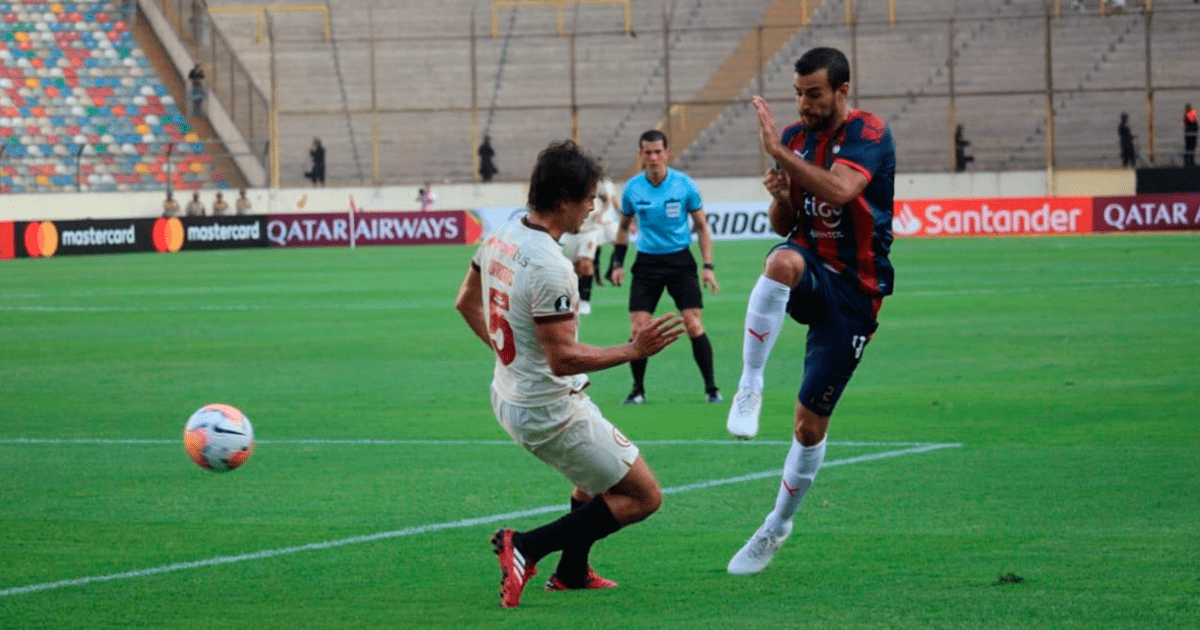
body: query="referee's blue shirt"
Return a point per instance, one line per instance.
(662, 211)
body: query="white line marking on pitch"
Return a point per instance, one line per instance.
(728, 442)
(435, 527)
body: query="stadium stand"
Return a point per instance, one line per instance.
(403, 94)
(81, 107)
(1099, 70)
(524, 86)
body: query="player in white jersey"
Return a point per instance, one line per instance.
(583, 248)
(520, 298)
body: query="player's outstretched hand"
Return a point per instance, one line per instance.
(766, 125)
(661, 332)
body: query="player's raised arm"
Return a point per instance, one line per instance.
(838, 185)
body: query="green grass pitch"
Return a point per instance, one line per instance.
(1053, 382)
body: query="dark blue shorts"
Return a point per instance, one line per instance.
(840, 320)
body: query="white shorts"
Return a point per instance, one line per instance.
(571, 436)
(582, 245)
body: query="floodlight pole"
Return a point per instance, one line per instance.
(273, 118)
(78, 169)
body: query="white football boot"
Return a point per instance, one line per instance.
(757, 553)
(743, 414)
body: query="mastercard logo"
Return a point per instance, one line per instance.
(167, 235)
(41, 239)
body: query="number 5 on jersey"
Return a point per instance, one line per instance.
(498, 327)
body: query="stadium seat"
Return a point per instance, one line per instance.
(73, 78)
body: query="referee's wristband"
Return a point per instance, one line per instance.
(709, 266)
(618, 258)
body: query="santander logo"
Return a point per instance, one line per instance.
(993, 216)
(906, 222)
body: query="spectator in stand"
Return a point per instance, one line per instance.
(487, 168)
(196, 91)
(1128, 151)
(243, 203)
(426, 197)
(961, 159)
(170, 206)
(220, 207)
(317, 154)
(1190, 131)
(195, 207)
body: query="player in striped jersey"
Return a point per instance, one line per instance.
(832, 198)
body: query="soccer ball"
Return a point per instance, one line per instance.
(218, 437)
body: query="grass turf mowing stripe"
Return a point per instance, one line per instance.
(425, 529)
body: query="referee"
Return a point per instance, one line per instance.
(662, 198)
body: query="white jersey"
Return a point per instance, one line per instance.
(526, 280)
(604, 212)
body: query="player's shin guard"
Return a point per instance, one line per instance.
(799, 470)
(765, 312)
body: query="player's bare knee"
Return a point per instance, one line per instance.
(785, 266)
(810, 428)
(649, 502)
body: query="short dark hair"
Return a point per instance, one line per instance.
(836, 66)
(653, 135)
(563, 172)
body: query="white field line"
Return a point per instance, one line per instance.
(426, 529)
(368, 442)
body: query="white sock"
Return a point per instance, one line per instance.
(799, 469)
(765, 313)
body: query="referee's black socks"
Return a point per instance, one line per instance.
(702, 352)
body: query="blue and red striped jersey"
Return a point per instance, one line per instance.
(854, 239)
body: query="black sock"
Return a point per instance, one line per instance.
(638, 367)
(702, 351)
(596, 266)
(589, 523)
(572, 566)
(585, 288)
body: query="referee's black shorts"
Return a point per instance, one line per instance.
(674, 272)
